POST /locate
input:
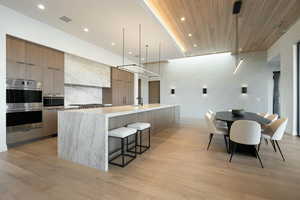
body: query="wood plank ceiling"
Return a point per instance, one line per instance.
(212, 25)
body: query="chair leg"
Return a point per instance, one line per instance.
(266, 141)
(258, 147)
(225, 138)
(257, 155)
(276, 142)
(210, 138)
(233, 148)
(273, 144)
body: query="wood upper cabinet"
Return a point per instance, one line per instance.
(34, 54)
(15, 49)
(54, 58)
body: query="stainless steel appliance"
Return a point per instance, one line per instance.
(53, 101)
(24, 118)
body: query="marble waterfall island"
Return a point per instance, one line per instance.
(83, 133)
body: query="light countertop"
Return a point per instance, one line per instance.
(120, 110)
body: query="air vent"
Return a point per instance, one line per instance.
(65, 19)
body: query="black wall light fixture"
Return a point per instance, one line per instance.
(204, 90)
(172, 91)
(244, 90)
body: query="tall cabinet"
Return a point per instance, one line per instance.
(122, 88)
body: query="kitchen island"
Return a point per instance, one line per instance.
(83, 133)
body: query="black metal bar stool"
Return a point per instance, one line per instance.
(123, 134)
(140, 127)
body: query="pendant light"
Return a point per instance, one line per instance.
(136, 68)
(236, 10)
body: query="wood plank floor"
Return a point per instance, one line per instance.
(177, 167)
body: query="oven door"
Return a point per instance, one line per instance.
(26, 117)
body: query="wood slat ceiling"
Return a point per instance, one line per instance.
(212, 25)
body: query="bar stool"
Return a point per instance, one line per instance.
(123, 133)
(140, 127)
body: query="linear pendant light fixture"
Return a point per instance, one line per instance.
(236, 11)
(136, 68)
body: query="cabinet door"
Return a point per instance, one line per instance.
(59, 60)
(15, 70)
(48, 78)
(49, 122)
(34, 72)
(34, 54)
(50, 57)
(114, 73)
(58, 85)
(15, 49)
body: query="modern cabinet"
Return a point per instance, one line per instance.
(121, 91)
(24, 60)
(49, 122)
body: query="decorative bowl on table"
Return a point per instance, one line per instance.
(237, 112)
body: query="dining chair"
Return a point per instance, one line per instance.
(245, 132)
(215, 130)
(218, 123)
(263, 114)
(274, 132)
(272, 118)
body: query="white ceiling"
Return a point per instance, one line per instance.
(105, 20)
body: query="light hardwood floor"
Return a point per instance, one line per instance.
(177, 167)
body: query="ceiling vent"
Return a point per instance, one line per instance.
(65, 19)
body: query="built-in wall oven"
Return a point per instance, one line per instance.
(24, 117)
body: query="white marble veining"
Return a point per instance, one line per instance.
(82, 95)
(80, 71)
(83, 133)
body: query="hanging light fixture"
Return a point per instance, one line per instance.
(137, 68)
(236, 11)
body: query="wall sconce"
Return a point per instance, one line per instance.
(244, 90)
(173, 91)
(204, 90)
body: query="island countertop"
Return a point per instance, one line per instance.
(83, 133)
(120, 110)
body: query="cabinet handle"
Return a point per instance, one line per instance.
(20, 62)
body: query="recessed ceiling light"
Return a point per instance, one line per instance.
(182, 19)
(195, 45)
(190, 35)
(130, 52)
(86, 30)
(113, 44)
(41, 6)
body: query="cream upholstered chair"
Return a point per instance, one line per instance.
(272, 118)
(245, 132)
(274, 132)
(215, 130)
(263, 114)
(218, 123)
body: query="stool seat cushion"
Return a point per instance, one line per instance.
(121, 132)
(139, 126)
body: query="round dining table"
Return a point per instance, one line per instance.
(229, 118)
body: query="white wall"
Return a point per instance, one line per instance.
(3, 146)
(18, 25)
(285, 48)
(189, 75)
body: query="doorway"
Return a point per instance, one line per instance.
(154, 92)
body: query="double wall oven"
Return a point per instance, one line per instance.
(24, 117)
